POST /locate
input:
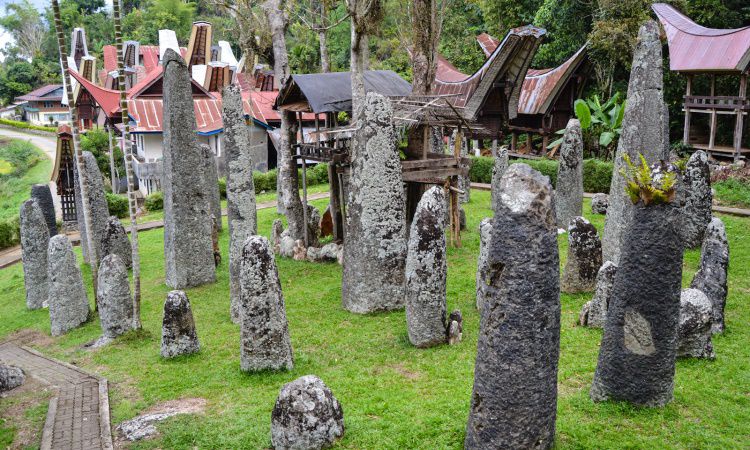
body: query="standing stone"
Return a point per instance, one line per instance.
(485, 232)
(464, 182)
(514, 400)
(68, 303)
(211, 182)
(313, 226)
(97, 202)
(694, 335)
(498, 170)
(569, 190)
(711, 277)
(638, 349)
(215, 240)
(34, 242)
(375, 249)
(188, 253)
(178, 334)
(584, 256)
(605, 278)
(644, 130)
(241, 213)
(116, 242)
(80, 224)
(306, 416)
(455, 327)
(43, 196)
(264, 331)
(698, 198)
(10, 377)
(113, 292)
(427, 271)
(599, 203)
(277, 231)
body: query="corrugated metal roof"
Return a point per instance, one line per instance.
(42, 94)
(148, 113)
(487, 43)
(540, 89)
(694, 48)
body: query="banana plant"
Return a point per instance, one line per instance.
(601, 121)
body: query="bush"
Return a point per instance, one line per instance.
(481, 169)
(117, 204)
(264, 181)
(154, 202)
(26, 125)
(10, 232)
(18, 157)
(223, 188)
(597, 175)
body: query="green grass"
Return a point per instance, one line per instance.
(16, 190)
(393, 395)
(732, 192)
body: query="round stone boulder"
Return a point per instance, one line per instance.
(115, 242)
(599, 203)
(694, 335)
(306, 416)
(178, 334)
(10, 377)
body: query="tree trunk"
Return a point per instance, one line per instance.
(128, 155)
(325, 59)
(358, 67)
(426, 26)
(288, 186)
(113, 176)
(83, 184)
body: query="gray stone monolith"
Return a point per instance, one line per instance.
(264, 331)
(645, 130)
(34, 243)
(711, 277)
(80, 224)
(605, 279)
(638, 350)
(115, 302)
(599, 203)
(569, 187)
(97, 202)
(485, 232)
(178, 333)
(43, 196)
(277, 230)
(116, 242)
(188, 253)
(211, 181)
(427, 272)
(375, 249)
(68, 303)
(241, 214)
(584, 256)
(694, 334)
(514, 401)
(306, 416)
(498, 170)
(696, 211)
(10, 377)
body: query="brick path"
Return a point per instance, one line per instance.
(78, 418)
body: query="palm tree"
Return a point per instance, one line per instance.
(128, 154)
(82, 175)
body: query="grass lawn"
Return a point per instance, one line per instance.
(17, 190)
(393, 395)
(732, 192)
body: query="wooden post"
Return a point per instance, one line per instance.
(688, 92)
(304, 176)
(453, 195)
(712, 136)
(529, 144)
(494, 147)
(739, 123)
(545, 142)
(513, 142)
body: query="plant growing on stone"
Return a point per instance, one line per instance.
(651, 185)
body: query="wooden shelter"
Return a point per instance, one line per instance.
(63, 173)
(696, 51)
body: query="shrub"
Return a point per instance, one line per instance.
(117, 205)
(481, 169)
(264, 181)
(154, 202)
(18, 157)
(223, 188)
(597, 175)
(10, 232)
(26, 125)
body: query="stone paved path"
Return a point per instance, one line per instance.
(78, 418)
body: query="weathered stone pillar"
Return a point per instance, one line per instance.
(264, 331)
(97, 202)
(694, 333)
(116, 242)
(464, 182)
(584, 256)
(696, 212)
(498, 170)
(599, 203)
(569, 188)
(644, 130)
(375, 247)
(68, 303)
(711, 277)
(597, 307)
(241, 214)
(485, 232)
(211, 180)
(188, 253)
(43, 196)
(113, 292)
(178, 334)
(638, 350)
(427, 272)
(514, 399)
(34, 243)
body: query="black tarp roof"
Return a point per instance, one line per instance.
(332, 92)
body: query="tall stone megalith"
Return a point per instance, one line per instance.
(696, 212)
(514, 400)
(375, 248)
(113, 292)
(241, 214)
(188, 251)
(34, 241)
(43, 196)
(211, 183)
(97, 202)
(645, 130)
(569, 187)
(68, 303)
(711, 277)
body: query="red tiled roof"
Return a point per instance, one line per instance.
(447, 71)
(540, 89)
(694, 48)
(107, 99)
(39, 94)
(148, 112)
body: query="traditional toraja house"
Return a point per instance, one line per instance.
(63, 173)
(697, 51)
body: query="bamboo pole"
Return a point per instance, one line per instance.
(128, 155)
(77, 151)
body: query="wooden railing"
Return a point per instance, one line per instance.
(716, 102)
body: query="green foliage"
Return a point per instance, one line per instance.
(462, 24)
(144, 24)
(732, 192)
(26, 125)
(642, 183)
(19, 156)
(117, 205)
(223, 187)
(567, 23)
(155, 201)
(96, 141)
(502, 15)
(601, 124)
(29, 166)
(597, 175)
(265, 181)
(10, 232)
(583, 112)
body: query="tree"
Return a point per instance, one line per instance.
(315, 14)
(568, 23)
(174, 15)
(23, 22)
(462, 23)
(365, 16)
(502, 15)
(249, 28)
(427, 24)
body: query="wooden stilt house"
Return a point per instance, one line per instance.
(63, 173)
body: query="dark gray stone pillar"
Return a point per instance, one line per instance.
(68, 303)
(569, 187)
(711, 277)
(43, 196)
(34, 243)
